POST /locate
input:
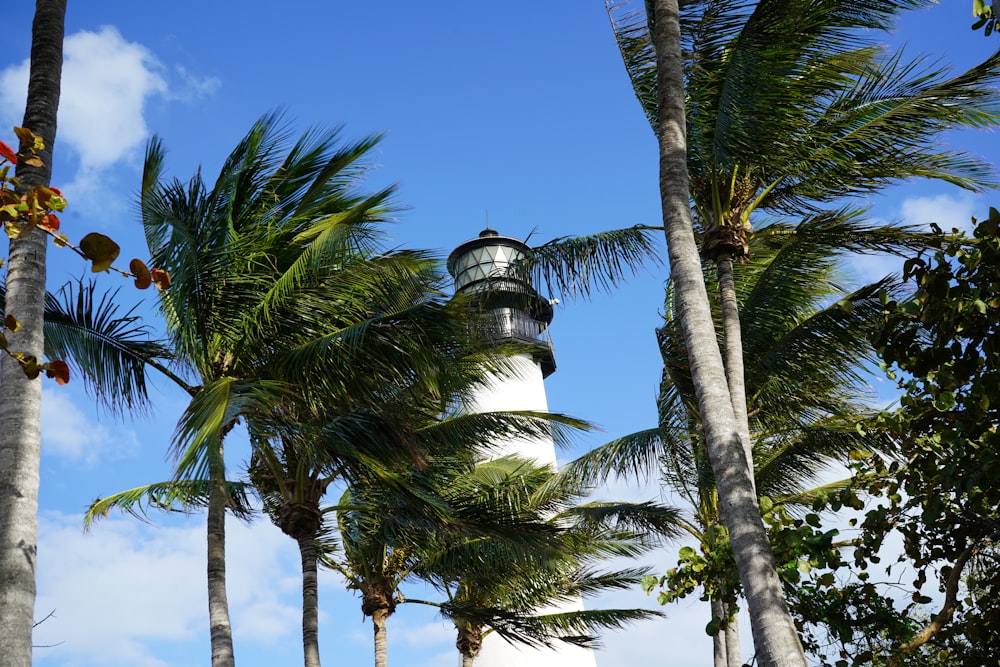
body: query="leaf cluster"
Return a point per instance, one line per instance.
(942, 341)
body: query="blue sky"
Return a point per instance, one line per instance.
(521, 109)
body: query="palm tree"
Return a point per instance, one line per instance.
(281, 296)
(511, 547)
(806, 341)
(788, 107)
(774, 630)
(820, 118)
(294, 463)
(387, 310)
(20, 425)
(494, 590)
(386, 521)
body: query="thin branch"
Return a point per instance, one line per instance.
(943, 617)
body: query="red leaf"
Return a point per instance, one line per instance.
(161, 278)
(50, 223)
(59, 370)
(7, 153)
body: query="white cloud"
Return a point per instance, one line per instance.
(125, 586)
(947, 211)
(107, 84)
(69, 434)
(137, 581)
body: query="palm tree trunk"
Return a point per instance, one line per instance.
(719, 655)
(310, 601)
(20, 398)
(379, 618)
(774, 632)
(733, 649)
(469, 641)
(735, 376)
(218, 604)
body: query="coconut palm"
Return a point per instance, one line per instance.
(383, 532)
(294, 463)
(20, 442)
(789, 106)
(774, 630)
(512, 547)
(511, 592)
(792, 107)
(292, 319)
(298, 456)
(806, 343)
(281, 295)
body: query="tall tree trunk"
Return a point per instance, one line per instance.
(310, 601)
(218, 603)
(467, 660)
(733, 649)
(20, 398)
(726, 648)
(775, 637)
(719, 647)
(735, 375)
(379, 618)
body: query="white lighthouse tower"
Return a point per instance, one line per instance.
(487, 267)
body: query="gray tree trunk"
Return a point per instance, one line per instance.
(379, 619)
(719, 647)
(467, 660)
(310, 601)
(776, 640)
(218, 603)
(735, 375)
(733, 649)
(20, 398)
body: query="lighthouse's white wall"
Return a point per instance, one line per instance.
(523, 388)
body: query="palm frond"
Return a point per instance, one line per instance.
(658, 522)
(111, 349)
(210, 415)
(172, 496)
(574, 266)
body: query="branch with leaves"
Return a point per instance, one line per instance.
(22, 211)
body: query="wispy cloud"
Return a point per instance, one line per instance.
(947, 211)
(125, 590)
(68, 433)
(108, 83)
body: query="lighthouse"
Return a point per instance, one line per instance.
(489, 267)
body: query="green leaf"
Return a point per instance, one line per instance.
(944, 401)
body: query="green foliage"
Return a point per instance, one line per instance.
(986, 16)
(514, 540)
(942, 497)
(809, 81)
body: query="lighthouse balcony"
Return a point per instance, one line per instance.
(511, 325)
